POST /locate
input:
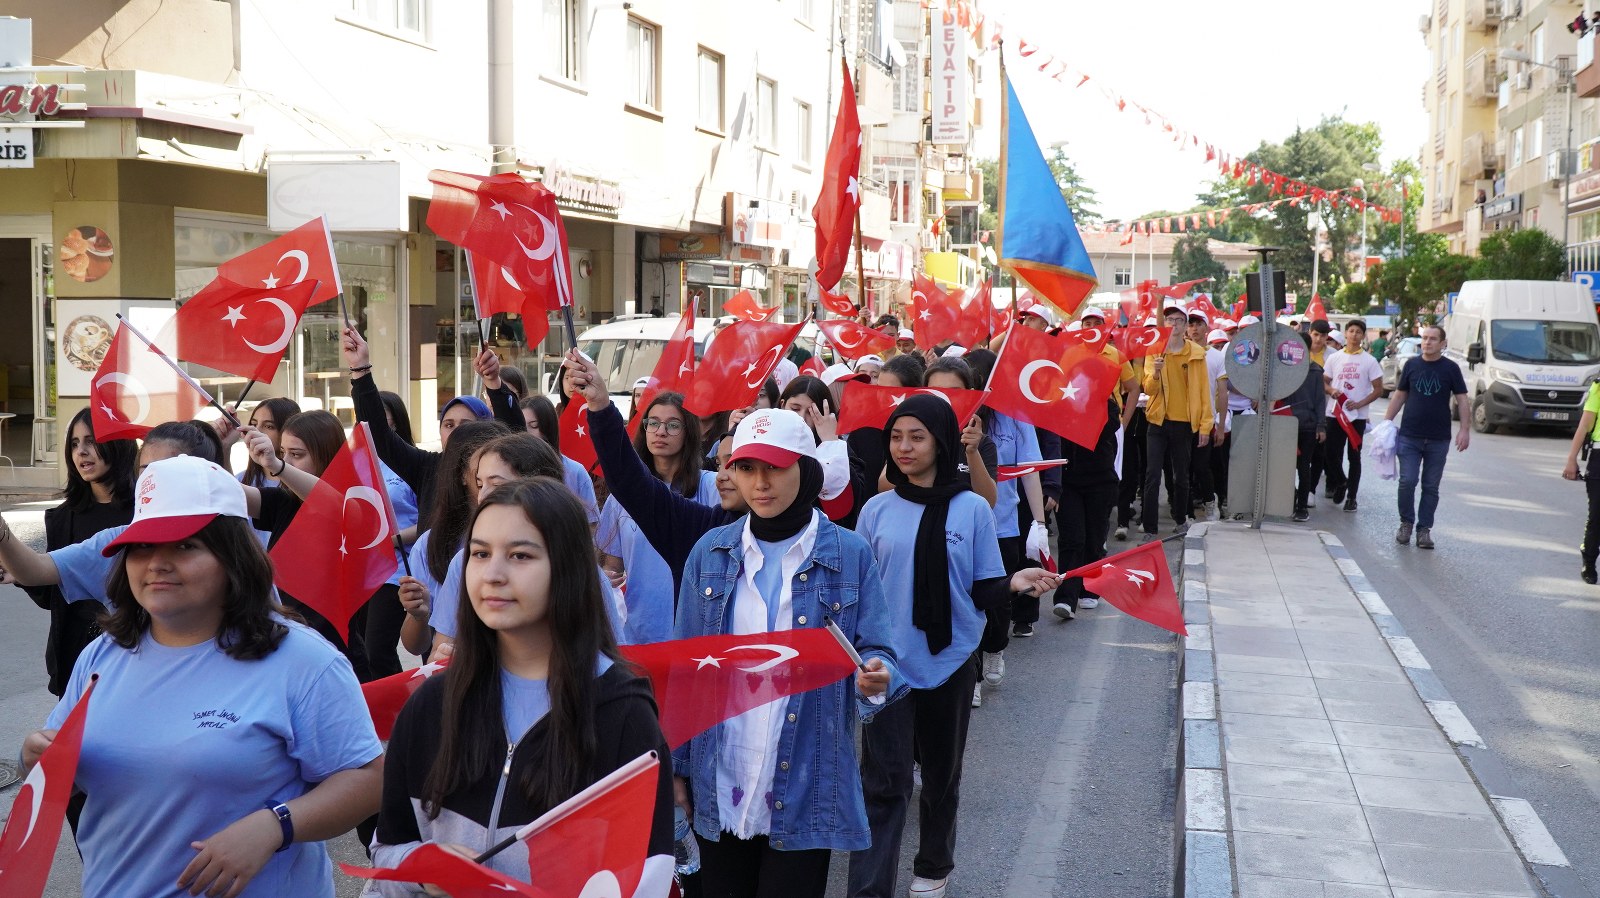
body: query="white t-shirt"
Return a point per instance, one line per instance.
(1352, 374)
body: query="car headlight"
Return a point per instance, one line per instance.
(1504, 376)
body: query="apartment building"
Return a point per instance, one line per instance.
(1461, 102)
(685, 142)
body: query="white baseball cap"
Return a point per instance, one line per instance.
(905, 334)
(776, 436)
(1227, 324)
(177, 497)
(868, 360)
(839, 372)
(1335, 338)
(641, 383)
(1217, 335)
(1248, 320)
(1092, 312)
(1173, 305)
(1044, 312)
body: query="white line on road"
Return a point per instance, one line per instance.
(1533, 840)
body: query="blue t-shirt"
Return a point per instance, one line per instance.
(889, 524)
(1430, 388)
(181, 742)
(582, 486)
(524, 702)
(649, 593)
(404, 500)
(1015, 443)
(443, 597)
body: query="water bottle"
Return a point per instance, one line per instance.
(686, 850)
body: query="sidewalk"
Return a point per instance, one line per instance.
(1322, 758)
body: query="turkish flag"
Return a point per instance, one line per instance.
(840, 196)
(495, 290)
(1149, 302)
(1179, 290)
(1315, 310)
(838, 304)
(387, 696)
(739, 360)
(1240, 307)
(576, 443)
(508, 221)
(1138, 341)
(743, 305)
(981, 308)
(674, 372)
(1069, 400)
(1138, 583)
(813, 367)
(1012, 472)
(853, 341)
(703, 681)
(301, 255)
(340, 546)
(1204, 305)
(941, 316)
(1342, 416)
(241, 330)
(1094, 338)
(868, 406)
(135, 389)
(458, 876)
(28, 844)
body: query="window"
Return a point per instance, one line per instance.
(710, 90)
(644, 63)
(1516, 148)
(802, 132)
(1536, 43)
(1536, 139)
(908, 82)
(563, 35)
(404, 16)
(766, 112)
(804, 11)
(1123, 277)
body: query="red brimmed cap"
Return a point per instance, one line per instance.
(776, 436)
(175, 498)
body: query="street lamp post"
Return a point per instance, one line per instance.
(1361, 185)
(1569, 84)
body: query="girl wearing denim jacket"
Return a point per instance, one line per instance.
(773, 791)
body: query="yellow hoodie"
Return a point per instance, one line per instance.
(1184, 382)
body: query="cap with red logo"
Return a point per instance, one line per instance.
(176, 497)
(776, 436)
(841, 371)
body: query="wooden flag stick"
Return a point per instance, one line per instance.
(181, 373)
(245, 392)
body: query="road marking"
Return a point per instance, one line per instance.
(1533, 840)
(1407, 653)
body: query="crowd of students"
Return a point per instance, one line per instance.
(228, 737)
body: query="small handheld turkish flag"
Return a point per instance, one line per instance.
(853, 341)
(241, 330)
(135, 389)
(1138, 341)
(1138, 584)
(495, 290)
(1094, 338)
(741, 358)
(28, 844)
(703, 681)
(1178, 290)
(743, 305)
(1062, 388)
(869, 406)
(674, 370)
(339, 549)
(837, 304)
(576, 443)
(510, 221)
(302, 255)
(1012, 472)
(387, 696)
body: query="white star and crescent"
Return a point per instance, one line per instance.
(234, 316)
(708, 661)
(1025, 379)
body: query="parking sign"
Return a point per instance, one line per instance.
(1590, 280)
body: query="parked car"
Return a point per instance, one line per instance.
(1399, 352)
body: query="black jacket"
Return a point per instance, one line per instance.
(73, 625)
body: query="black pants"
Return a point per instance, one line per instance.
(1307, 461)
(928, 726)
(1335, 448)
(1590, 549)
(997, 625)
(1084, 517)
(1025, 608)
(384, 617)
(1219, 466)
(1133, 439)
(1167, 440)
(1201, 488)
(752, 868)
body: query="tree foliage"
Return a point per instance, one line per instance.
(1192, 259)
(1080, 196)
(1353, 297)
(1524, 255)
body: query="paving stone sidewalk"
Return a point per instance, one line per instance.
(1321, 756)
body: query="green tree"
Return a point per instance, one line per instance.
(1524, 255)
(1192, 259)
(1080, 196)
(1353, 297)
(1430, 279)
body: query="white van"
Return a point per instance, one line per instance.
(627, 347)
(1527, 349)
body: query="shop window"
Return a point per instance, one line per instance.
(563, 34)
(711, 103)
(644, 64)
(766, 113)
(405, 17)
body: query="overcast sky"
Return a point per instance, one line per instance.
(1233, 72)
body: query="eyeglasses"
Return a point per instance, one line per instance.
(655, 424)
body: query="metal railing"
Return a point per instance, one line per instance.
(1584, 256)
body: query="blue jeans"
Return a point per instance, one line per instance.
(1428, 456)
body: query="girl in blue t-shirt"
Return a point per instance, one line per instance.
(534, 706)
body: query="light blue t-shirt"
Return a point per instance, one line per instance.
(649, 593)
(1015, 443)
(769, 580)
(404, 500)
(889, 524)
(181, 742)
(582, 486)
(524, 702)
(443, 597)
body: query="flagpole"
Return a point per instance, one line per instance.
(1005, 138)
(400, 545)
(245, 392)
(861, 264)
(181, 373)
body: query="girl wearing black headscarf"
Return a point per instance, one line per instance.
(933, 526)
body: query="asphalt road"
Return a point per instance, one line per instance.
(1498, 610)
(1068, 785)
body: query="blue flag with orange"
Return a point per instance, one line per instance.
(1038, 239)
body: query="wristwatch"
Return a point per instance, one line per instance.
(285, 822)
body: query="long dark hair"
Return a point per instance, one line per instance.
(908, 369)
(402, 417)
(321, 433)
(282, 409)
(958, 367)
(248, 631)
(452, 501)
(686, 482)
(812, 388)
(544, 414)
(120, 456)
(471, 728)
(525, 454)
(194, 438)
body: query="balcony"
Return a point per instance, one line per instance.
(1438, 144)
(1477, 156)
(1588, 71)
(1482, 82)
(1483, 15)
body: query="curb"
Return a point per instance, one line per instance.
(1544, 859)
(1204, 852)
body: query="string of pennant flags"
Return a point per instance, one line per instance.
(986, 31)
(1191, 221)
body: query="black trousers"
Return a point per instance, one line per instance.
(1219, 466)
(1025, 608)
(384, 617)
(1307, 461)
(1590, 549)
(928, 726)
(1168, 440)
(1201, 488)
(997, 621)
(1084, 517)
(1335, 448)
(752, 868)
(1133, 439)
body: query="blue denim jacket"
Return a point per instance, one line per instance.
(817, 786)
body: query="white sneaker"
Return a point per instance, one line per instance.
(1122, 534)
(994, 667)
(1087, 602)
(977, 695)
(1064, 611)
(927, 888)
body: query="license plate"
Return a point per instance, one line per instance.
(1552, 416)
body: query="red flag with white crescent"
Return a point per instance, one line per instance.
(740, 359)
(673, 373)
(838, 304)
(303, 255)
(868, 406)
(703, 681)
(743, 305)
(241, 330)
(495, 290)
(1059, 386)
(1138, 583)
(135, 389)
(840, 196)
(28, 843)
(340, 546)
(385, 697)
(509, 221)
(1138, 341)
(576, 443)
(1012, 472)
(853, 341)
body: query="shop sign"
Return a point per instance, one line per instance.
(753, 221)
(691, 246)
(949, 64)
(1500, 206)
(16, 148)
(22, 97)
(581, 192)
(1585, 187)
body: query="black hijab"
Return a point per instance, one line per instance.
(930, 583)
(797, 516)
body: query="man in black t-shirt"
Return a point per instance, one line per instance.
(1427, 385)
